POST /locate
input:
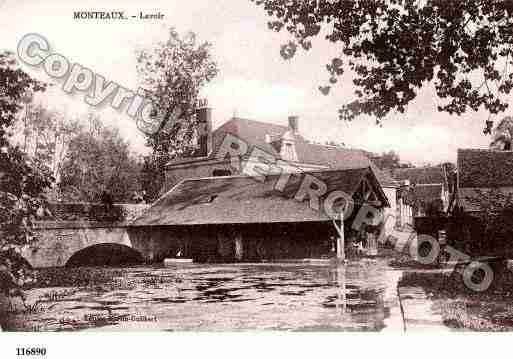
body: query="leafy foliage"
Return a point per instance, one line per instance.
(45, 135)
(14, 86)
(22, 180)
(503, 135)
(174, 72)
(395, 47)
(496, 217)
(152, 176)
(99, 161)
(388, 159)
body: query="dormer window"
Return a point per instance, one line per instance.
(288, 147)
(221, 173)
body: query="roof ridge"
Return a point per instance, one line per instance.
(257, 121)
(335, 147)
(483, 150)
(416, 168)
(275, 174)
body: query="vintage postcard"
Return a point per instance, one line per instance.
(255, 165)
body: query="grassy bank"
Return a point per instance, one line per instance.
(73, 277)
(461, 307)
(465, 309)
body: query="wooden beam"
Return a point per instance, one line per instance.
(341, 253)
(239, 247)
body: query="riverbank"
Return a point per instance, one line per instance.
(460, 308)
(47, 278)
(73, 277)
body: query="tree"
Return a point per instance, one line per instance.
(503, 135)
(152, 177)
(396, 47)
(98, 161)
(174, 72)
(45, 135)
(22, 180)
(15, 84)
(388, 159)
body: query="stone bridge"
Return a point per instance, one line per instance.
(59, 241)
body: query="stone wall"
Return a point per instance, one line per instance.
(72, 227)
(94, 212)
(59, 241)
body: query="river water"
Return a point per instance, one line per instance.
(360, 296)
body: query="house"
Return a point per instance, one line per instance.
(285, 144)
(484, 191)
(240, 218)
(480, 171)
(423, 191)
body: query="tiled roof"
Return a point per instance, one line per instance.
(424, 197)
(484, 168)
(254, 133)
(470, 198)
(242, 199)
(419, 175)
(427, 194)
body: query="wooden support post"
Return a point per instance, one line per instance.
(239, 247)
(372, 244)
(342, 291)
(341, 254)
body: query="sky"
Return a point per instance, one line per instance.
(254, 81)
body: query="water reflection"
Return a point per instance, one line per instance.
(225, 297)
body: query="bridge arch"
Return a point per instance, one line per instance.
(58, 243)
(109, 254)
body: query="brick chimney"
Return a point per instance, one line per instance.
(294, 124)
(204, 117)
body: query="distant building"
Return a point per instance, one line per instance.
(424, 191)
(479, 172)
(481, 221)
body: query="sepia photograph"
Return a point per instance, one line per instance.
(255, 166)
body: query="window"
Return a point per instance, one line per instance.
(207, 199)
(219, 173)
